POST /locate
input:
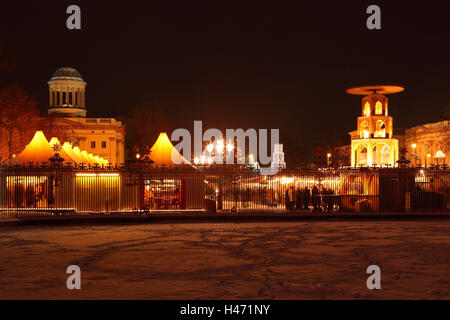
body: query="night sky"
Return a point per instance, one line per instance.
(238, 64)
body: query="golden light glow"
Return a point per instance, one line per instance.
(138, 156)
(26, 179)
(86, 174)
(97, 175)
(286, 180)
(378, 108)
(365, 134)
(54, 141)
(373, 144)
(230, 147)
(219, 146)
(210, 147)
(414, 145)
(367, 109)
(328, 155)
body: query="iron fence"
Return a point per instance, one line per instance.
(45, 190)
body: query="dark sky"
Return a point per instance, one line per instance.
(236, 63)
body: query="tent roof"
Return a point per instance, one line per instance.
(85, 156)
(163, 152)
(62, 152)
(80, 154)
(67, 148)
(38, 150)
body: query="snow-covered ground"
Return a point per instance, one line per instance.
(295, 260)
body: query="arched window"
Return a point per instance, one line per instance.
(375, 156)
(386, 155)
(362, 156)
(378, 108)
(380, 129)
(364, 130)
(367, 109)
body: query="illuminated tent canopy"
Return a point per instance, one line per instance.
(68, 149)
(164, 153)
(66, 156)
(40, 150)
(439, 155)
(37, 151)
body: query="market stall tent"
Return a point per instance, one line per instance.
(80, 154)
(68, 149)
(164, 153)
(62, 152)
(37, 151)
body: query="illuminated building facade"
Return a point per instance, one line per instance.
(373, 143)
(104, 137)
(428, 144)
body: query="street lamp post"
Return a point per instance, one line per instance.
(328, 159)
(414, 146)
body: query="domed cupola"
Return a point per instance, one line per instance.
(67, 91)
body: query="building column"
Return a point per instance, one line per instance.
(352, 155)
(369, 154)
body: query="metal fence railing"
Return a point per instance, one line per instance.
(80, 190)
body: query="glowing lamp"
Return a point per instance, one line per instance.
(219, 146)
(210, 147)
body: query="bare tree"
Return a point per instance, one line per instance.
(18, 120)
(144, 125)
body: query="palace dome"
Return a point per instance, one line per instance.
(66, 72)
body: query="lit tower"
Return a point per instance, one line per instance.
(67, 91)
(278, 157)
(372, 142)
